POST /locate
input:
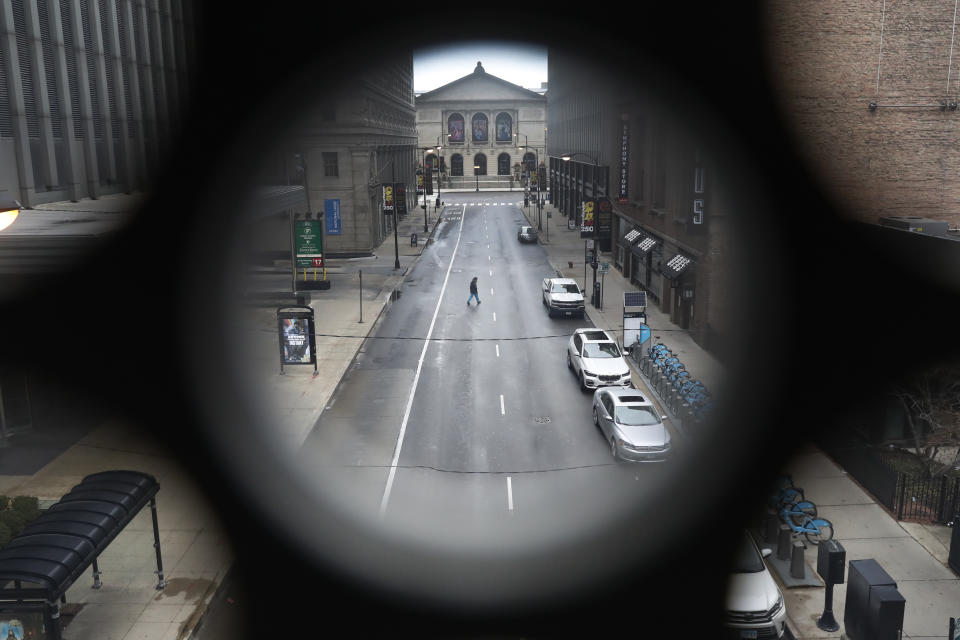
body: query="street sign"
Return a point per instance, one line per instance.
(400, 191)
(604, 267)
(308, 243)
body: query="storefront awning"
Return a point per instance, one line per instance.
(629, 239)
(676, 266)
(642, 247)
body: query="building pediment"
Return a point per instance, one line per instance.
(479, 85)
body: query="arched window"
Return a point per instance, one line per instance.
(503, 164)
(504, 127)
(480, 165)
(455, 127)
(529, 162)
(480, 124)
(456, 165)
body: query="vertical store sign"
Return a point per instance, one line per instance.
(309, 243)
(623, 196)
(698, 192)
(400, 192)
(419, 184)
(388, 199)
(604, 221)
(588, 225)
(331, 211)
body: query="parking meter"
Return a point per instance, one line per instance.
(831, 560)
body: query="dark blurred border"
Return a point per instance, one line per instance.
(830, 304)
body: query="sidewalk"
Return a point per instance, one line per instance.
(915, 555)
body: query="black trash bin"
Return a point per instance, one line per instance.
(863, 578)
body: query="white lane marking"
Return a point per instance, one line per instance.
(416, 381)
(498, 350)
(491, 272)
(489, 258)
(503, 411)
(494, 316)
(491, 290)
(509, 494)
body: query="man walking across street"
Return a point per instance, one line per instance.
(473, 291)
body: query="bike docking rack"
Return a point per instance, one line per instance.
(686, 399)
(789, 523)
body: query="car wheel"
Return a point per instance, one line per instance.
(596, 418)
(613, 448)
(569, 362)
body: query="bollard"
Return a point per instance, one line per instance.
(784, 542)
(797, 566)
(773, 525)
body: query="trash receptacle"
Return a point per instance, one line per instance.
(413, 239)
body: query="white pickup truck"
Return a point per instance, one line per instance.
(562, 296)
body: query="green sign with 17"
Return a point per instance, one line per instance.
(309, 243)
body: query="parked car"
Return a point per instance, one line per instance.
(562, 296)
(755, 607)
(527, 234)
(594, 356)
(631, 424)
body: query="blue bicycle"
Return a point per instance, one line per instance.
(815, 530)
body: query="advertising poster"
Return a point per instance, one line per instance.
(309, 243)
(419, 184)
(623, 197)
(296, 342)
(455, 128)
(388, 198)
(17, 628)
(604, 221)
(400, 191)
(480, 128)
(504, 128)
(588, 225)
(331, 210)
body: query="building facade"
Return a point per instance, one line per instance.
(870, 91)
(491, 132)
(351, 143)
(91, 93)
(667, 218)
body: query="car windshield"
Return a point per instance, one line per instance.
(565, 288)
(601, 350)
(526, 229)
(636, 416)
(747, 559)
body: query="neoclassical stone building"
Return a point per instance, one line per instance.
(481, 121)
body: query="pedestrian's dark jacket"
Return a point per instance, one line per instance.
(473, 286)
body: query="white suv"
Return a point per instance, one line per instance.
(755, 607)
(593, 355)
(562, 296)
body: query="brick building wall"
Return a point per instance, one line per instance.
(828, 64)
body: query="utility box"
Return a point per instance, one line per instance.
(831, 561)
(865, 576)
(886, 613)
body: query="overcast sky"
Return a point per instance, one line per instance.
(523, 65)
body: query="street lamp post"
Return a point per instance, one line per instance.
(596, 245)
(476, 175)
(536, 164)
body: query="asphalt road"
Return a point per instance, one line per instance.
(487, 444)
